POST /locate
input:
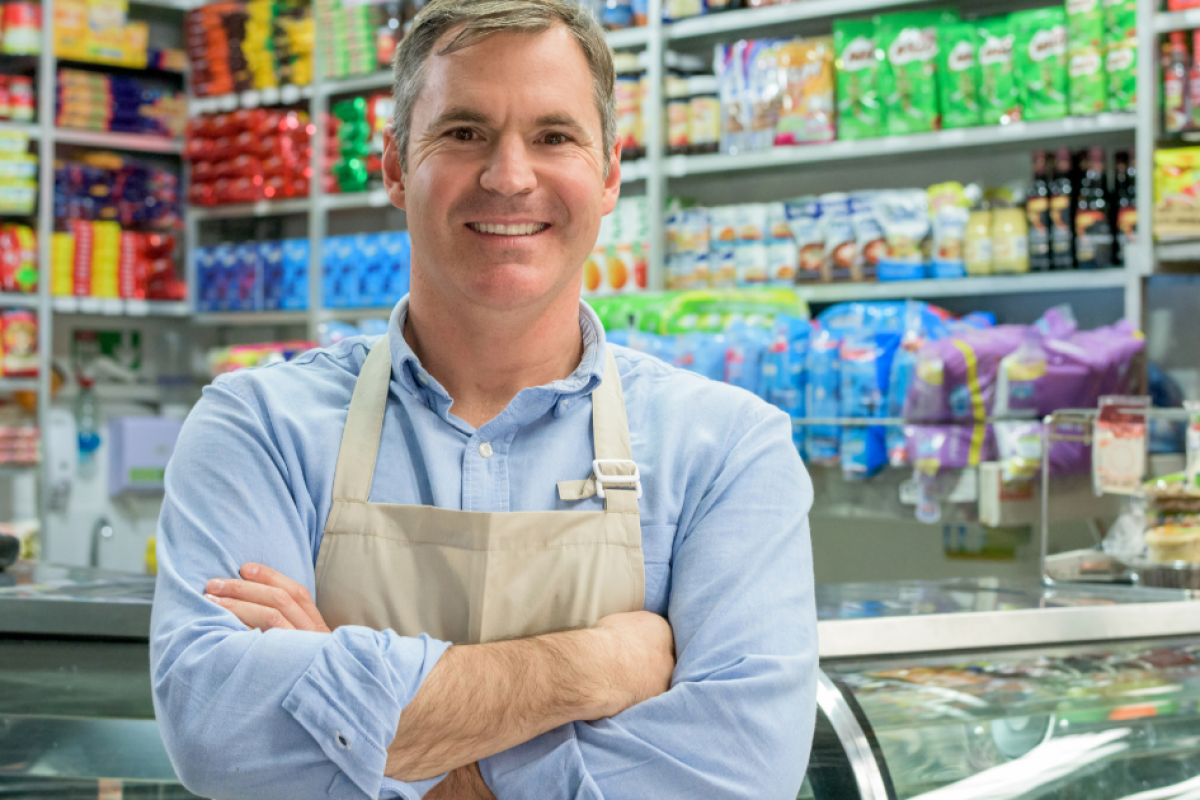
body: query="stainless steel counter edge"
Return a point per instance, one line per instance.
(74, 618)
(932, 633)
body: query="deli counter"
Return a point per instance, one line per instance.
(954, 689)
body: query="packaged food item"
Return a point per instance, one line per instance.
(1010, 240)
(751, 222)
(869, 238)
(808, 231)
(1119, 444)
(1088, 81)
(978, 257)
(750, 263)
(764, 92)
(678, 102)
(20, 332)
(1120, 20)
(1085, 24)
(841, 243)
(1120, 68)
(704, 114)
(777, 221)
(860, 112)
(949, 240)
(1041, 60)
(866, 358)
(723, 223)
(908, 72)
(722, 266)
(1167, 544)
(999, 93)
(729, 65)
(782, 260)
(822, 442)
(959, 75)
(807, 106)
(904, 217)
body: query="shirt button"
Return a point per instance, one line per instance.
(485, 450)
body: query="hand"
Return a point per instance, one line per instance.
(642, 648)
(464, 783)
(266, 599)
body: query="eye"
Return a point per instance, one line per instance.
(557, 138)
(462, 134)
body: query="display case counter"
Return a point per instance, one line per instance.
(982, 689)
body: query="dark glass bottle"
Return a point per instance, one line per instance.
(1037, 209)
(1062, 206)
(1125, 216)
(1093, 233)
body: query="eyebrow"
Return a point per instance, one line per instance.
(457, 114)
(558, 121)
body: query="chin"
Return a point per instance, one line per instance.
(514, 286)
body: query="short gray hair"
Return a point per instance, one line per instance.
(482, 18)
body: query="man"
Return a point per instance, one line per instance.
(486, 474)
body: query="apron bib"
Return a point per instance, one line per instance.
(466, 576)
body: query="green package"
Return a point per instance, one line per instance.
(958, 75)
(1089, 81)
(908, 71)
(860, 114)
(1040, 54)
(1120, 67)
(1120, 20)
(1085, 24)
(999, 95)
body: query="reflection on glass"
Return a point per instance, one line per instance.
(1083, 723)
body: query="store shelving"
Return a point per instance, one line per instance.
(629, 38)
(14, 300)
(263, 208)
(356, 314)
(113, 307)
(255, 98)
(776, 17)
(249, 318)
(961, 139)
(1065, 281)
(29, 129)
(376, 198)
(375, 81)
(133, 142)
(18, 385)
(1178, 21)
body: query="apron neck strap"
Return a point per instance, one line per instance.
(364, 425)
(610, 426)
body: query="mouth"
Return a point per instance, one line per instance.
(522, 229)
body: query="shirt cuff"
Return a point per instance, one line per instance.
(550, 767)
(352, 714)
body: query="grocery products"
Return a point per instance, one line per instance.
(1037, 212)
(249, 155)
(94, 102)
(1089, 81)
(19, 333)
(619, 261)
(99, 31)
(1010, 240)
(18, 259)
(806, 99)
(22, 28)
(230, 359)
(357, 128)
(1041, 59)
(99, 259)
(104, 186)
(908, 70)
(236, 46)
(959, 75)
(1094, 239)
(999, 92)
(860, 114)
(18, 175)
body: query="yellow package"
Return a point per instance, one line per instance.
(62, 265)
(106, 256)
(807, 104)
(1177, 176)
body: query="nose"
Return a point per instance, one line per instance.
(509, 169)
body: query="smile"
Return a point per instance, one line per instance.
(528, 229)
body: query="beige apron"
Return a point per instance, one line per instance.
(466, 576)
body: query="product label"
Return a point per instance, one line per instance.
(1046, 44)
(962, 57)
(1089, 90)
(907, 80)
(1061, 235)
(1121, 67)
(859, 54)
(1093, 240)
(1075, 7)
(1043, 76)
(999, 97)
(912, 45)
(860, 114)
(996, 50)
(1127, 226)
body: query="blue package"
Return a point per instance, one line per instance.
(395, 252)
(270, 257)
(368, 270)
(823, 385)
(904, 366)
(866, 361)
(206, 279)
(293, 295)
(899, 271)
(783, 365)
(661, 347)
(746, 346)
(224, 276)
(703, 353)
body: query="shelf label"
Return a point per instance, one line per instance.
(137, 308)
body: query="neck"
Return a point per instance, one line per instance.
(484, 357)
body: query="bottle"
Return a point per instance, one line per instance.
(1125, 218)
(1193, 85)
(87, 420)
(1093, 234)
(978, 248)
(1037, 209)
(1010, 239)
(1062, 238)
(1175, 74)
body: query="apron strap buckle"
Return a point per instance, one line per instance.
(618, 480)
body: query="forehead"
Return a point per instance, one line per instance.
(512, 72)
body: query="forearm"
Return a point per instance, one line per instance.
(482, 699)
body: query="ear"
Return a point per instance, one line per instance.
(612, 184)
(393, 177)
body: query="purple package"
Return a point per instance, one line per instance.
(936, 447)
(955, 378)
(1116, 348)
(1046, 374)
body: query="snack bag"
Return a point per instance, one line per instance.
(870, 240)
(1089, 82)
(860, 114)
(804, 220)
(1120, 21)
(763, 91)
(1041, 59)
(806, 98)
(731, 84)
(904, 217)
(20, 343)
(821, 397)
(1085, 24)
(908, 73)
(999, 95)
(841, 244)
(958, 75)
(1120, 72)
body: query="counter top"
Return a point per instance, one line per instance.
(53, 600)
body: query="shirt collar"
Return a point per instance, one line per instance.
(407, 369)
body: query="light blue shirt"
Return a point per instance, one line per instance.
(294, 714)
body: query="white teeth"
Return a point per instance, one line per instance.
(509, 230)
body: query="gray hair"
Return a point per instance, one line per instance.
(482, 18)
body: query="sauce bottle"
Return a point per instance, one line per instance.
(1093, 233)
(1175, 74)
(1037, 209)
(978, 247)
(1062, 221)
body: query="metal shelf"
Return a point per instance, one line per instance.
(890, 146)
(360, 83)
(782, 16)
(376, 198)
(628, 38)
(134, 142)
(18, 385)
(263, 208)
(249, 318)
(356, 314)
(1028, 283)
(175, 5)
(282, 95)
(30, 129)
(1177, 249)
(14, 300)
(1177, 21)
(116, 307)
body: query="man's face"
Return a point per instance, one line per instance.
(505, 183)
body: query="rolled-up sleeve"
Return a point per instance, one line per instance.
(246, 714)
(739, 717)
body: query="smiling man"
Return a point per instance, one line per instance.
(487, 554)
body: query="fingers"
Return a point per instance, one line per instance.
(268, 598)
(259, 573)
(254, 615)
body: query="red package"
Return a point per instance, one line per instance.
(84, 240)
(20, 337)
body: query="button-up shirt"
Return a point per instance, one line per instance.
(295, 714)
